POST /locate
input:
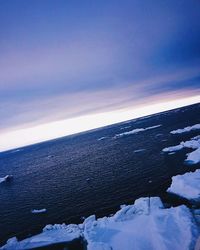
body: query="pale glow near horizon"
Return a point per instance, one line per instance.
(52, 130)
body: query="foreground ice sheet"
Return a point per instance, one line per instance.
(186, 129)
(194, 156)
(144, 225)
(186, 185)
(135, 131)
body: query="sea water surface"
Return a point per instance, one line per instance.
(90, 173)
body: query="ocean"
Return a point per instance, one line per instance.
(91, 173)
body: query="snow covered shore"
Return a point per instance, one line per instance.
(144, 225)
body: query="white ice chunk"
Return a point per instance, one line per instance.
(186, 129)
(38, 211)
(193, 157)
(51, 234)
(186, 185)
(135, 131)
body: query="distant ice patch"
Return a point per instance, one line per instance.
(186, 185)
(186, 129)
(102, 138)
(125, 127)
(135, 131)
(6, 178)
(38, 211)
(139, 150)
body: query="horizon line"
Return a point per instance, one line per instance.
(179, 104)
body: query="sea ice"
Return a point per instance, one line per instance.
(102, 138)
(139, 150)
(38, 211)
(186, 129)
(186, 185)
(194, 156)
(135, 131)
(6, 178)
(144, 225)
(51, 234)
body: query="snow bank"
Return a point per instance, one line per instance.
(144, 225)
(38, 211)
(6, 178)
(186, 129)
(135, 131)
(51, 234)
(186, 185)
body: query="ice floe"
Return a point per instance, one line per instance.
(144, 225)
(186, 185)
(6, 178)
(38, 211)
(52, 234)
(137, 130)
(186, 129)
(194, 156)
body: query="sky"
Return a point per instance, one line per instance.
(70, 65)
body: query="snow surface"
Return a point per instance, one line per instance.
(194, 156)
(38, 211)
(144, 225)
(6, 178)
(135, 131)
(186, 129)
(186, 185)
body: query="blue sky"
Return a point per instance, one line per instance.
(63, 59)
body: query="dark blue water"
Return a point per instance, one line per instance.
(53, 175)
